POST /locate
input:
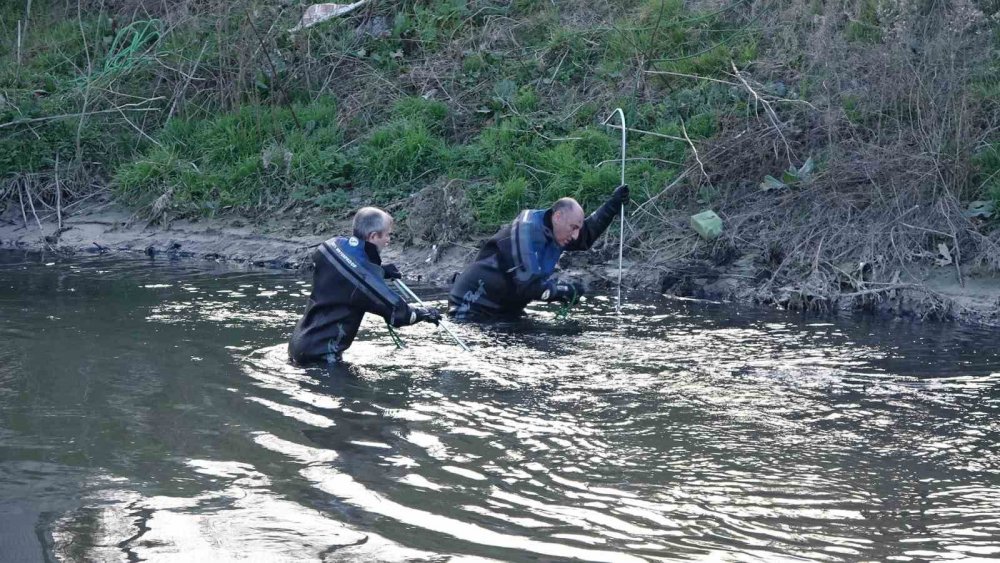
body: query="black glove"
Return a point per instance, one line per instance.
(621, 194)
(391, 272)
(566, 292)
(428, 315)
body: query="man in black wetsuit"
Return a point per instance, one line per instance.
(349, 281)
(514, 267)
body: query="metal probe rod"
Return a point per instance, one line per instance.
(409, 293)
(621, 231)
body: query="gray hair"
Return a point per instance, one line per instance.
(370, 220)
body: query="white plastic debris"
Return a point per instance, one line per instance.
(318, 13)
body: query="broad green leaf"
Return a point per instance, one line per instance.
(771, 183)
(807, 168)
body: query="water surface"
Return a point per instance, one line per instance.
(147, 413)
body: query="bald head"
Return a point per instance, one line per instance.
(567, 220)
(567, 204)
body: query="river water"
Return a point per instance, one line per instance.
(147, 413)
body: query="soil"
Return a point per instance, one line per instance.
(922, 292)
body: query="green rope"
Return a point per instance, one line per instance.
(122, 57)
(395, 337)
(127, 48)
(563, 312)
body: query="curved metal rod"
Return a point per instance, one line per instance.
(409, 293)
(621, 224)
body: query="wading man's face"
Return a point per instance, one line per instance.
(381, 240)
(566, 224)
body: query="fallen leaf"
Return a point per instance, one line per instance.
(944, 255)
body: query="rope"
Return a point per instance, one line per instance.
(395, 337)
(123, 57)
(564, 309)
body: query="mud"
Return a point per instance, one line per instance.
(922, 292)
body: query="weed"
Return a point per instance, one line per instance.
(865, 27)
(251, 159)
(526, 100)
(395, 155)
(430, 113)
(473, 64)
(499, 204)
(987, 165)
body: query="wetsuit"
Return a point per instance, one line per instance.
(514, 267)
(347, 283)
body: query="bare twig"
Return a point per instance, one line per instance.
(532, 168)
(27, 192)
(695, 151)
(892, 287)
(274, 73)
(86, 90)
(194, 69)
(617, 160)
(546, 137)
(676, 181)
(695, 76)
(958, 249)
(137, 128)
(130, 107)
(632, 130)
(24, 216)
(767, 109)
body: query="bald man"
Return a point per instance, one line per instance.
(515, 266)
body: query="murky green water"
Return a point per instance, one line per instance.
(147, 413)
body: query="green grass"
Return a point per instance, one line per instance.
(432, 114)
(513, 167)
(987, 176)
(252, 159)
(396, 155)
(45, 94)
(509, 138)
(865, 28)
(676, 39)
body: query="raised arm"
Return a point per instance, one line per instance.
(598, 221)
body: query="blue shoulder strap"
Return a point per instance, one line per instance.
(530, 247)
(347, 255)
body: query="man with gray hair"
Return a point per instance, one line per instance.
(515, 266)
(349, 281)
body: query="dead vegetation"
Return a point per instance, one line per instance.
(895, 123)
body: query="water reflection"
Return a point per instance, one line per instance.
(169, 426)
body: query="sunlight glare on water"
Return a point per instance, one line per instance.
(169, 426)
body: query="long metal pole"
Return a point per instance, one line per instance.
(409, 293)
(621, 224)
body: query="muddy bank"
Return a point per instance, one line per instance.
(114, 230)
(920, 292)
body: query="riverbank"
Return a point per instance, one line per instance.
(231, 133)
(921, 292)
